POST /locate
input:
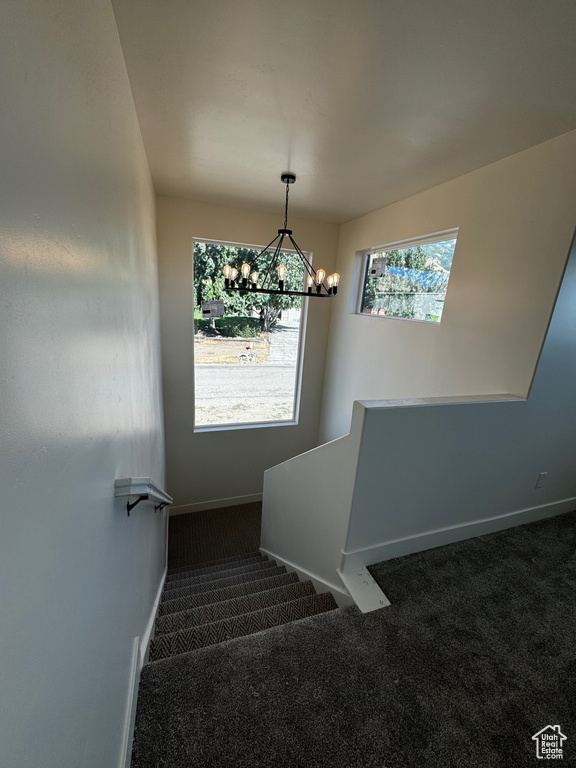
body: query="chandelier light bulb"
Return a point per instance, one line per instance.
(227, 270)
(245, 271)
(234, 274)
(330, 281)
(281, 276)
(254, 277)
(336, 277)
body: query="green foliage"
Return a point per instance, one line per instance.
(242, 331)
(246, 327)
(230, 326)
(415, 258)
(395, 258)
(209, 260)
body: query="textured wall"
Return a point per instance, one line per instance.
(223, 464)
(516, 219)
(80, 396)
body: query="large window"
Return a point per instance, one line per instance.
(247, 360)
(408, 280)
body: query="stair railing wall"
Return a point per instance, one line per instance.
(306, 506)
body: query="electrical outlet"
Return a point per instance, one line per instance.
(541, 478)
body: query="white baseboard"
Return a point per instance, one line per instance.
(139, 657)
(231, 501)
(130, 714)
(320, 585)
(387, 550)
(147, 636)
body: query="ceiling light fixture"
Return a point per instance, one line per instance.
(249, 273)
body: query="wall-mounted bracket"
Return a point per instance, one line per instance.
(144, 489)
(138, 500)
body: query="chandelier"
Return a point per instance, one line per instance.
(247, 278)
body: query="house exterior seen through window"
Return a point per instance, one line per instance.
(247, 357)
(408, 280)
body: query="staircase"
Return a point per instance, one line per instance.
(212, 602)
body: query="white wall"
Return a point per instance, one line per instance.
(306, 508)
(228, 464)
(432, 474)
(80, 397)
(516, 219)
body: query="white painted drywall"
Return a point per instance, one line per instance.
(80, 396)
(516, 219)
(452, 469)
(306, 506)
(228, 464)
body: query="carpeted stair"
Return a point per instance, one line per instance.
(220, 600)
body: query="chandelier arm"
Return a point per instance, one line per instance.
(274, 259)
(309, 268)
(277, 254)
(255, 259)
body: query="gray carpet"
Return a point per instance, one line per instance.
(475, 655)
(214, 534)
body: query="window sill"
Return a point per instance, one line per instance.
(255, 425)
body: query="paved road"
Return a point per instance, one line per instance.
(247, 392)
(243, 381)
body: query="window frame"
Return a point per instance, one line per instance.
(363, 260)
(300, 354)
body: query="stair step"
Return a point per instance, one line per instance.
(208, 586)
(191, 566)
(206, 614)
(198, 571)
(204, 578)
(225, 593)
(188, 640)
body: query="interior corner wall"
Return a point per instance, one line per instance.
(207, 466)
(80, 388)
(516, 218)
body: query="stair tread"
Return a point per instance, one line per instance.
(188, 566)
(171, 578)
(208, 586)
(174, 622)
(206, 578)
(187, 640)
(224, 593)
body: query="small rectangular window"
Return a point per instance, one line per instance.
(247, 346)
(408, 280)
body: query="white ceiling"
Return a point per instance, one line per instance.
(367, 101)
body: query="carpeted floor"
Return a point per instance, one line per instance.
(214, 534)
(475, 655)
